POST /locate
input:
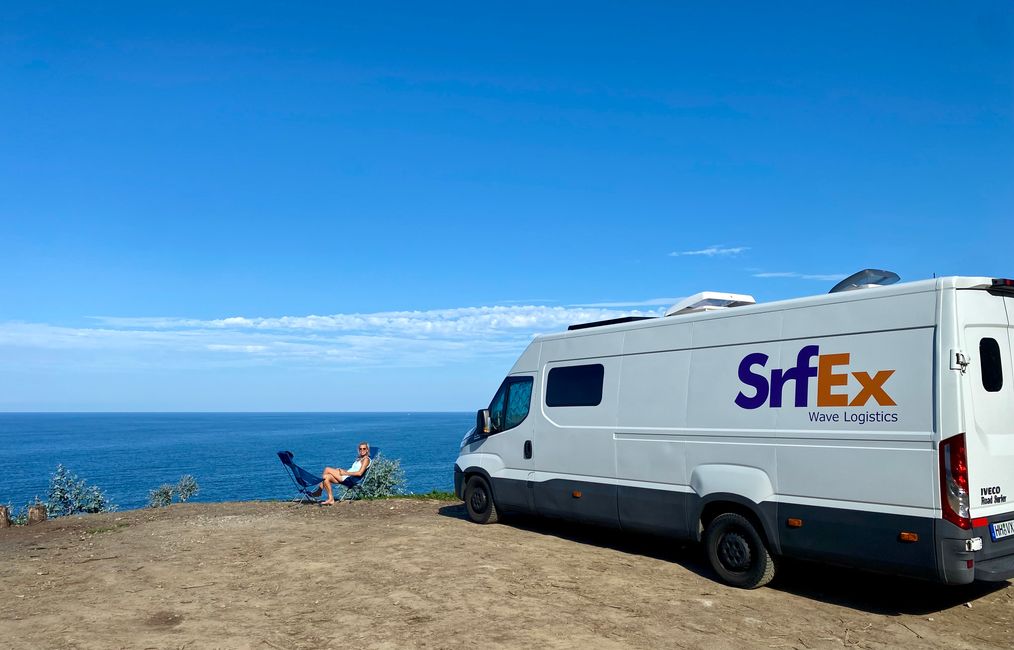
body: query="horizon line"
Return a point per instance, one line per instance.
(409, 411)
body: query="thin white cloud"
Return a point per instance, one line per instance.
(397, 338)
(652, 302)
(712, 251)
(527, 301)
(824, 277)
(453, 322)
(226, 347)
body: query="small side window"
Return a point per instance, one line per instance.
(575, 385)
(992, 365)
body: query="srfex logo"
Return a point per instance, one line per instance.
(829, 381)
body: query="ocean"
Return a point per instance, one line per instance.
(232, 455)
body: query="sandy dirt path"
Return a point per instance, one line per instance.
(401, 573)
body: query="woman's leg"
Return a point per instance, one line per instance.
(331, 475)
(320, 486)
(327, 488)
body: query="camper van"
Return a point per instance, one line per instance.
(870, 427)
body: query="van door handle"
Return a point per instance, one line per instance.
(528, 449)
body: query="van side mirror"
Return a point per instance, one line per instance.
(482, 422)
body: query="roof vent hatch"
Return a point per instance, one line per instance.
(865, 279)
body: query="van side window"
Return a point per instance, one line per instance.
(992, 367)
(511, 403)
(575, 385)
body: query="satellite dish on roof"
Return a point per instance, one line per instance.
(865, 279)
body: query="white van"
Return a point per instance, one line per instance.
(871, 428)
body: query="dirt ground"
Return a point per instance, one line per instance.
(408, 573)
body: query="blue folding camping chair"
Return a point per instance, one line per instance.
(306, 482)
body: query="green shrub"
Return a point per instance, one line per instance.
(439, 495)
(386, 478)
(187, 487)
(161, 496)
(69, 495)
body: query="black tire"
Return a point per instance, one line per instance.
(479, 501)
(737, 552)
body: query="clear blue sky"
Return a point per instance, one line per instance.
(182, 186)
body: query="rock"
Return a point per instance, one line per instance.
(5, 517)
(36, 514)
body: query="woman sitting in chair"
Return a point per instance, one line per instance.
(332, 475)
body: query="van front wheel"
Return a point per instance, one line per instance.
(479, 501)
(737, 552)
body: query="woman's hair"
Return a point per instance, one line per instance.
(366, 444)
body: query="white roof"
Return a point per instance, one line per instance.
(948, 282)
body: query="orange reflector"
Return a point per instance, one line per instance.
(906, 536)
(792, 522)
(576, 494)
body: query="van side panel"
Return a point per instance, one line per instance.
(662, 511)
(866, 312)
(653, 486)
(858, 470)
(575, 470)
(859, 538)
(650, 463)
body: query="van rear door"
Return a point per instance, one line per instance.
(987, 318)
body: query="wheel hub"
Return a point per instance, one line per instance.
(734, 552)
(479, 501)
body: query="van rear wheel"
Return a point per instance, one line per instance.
(479, 501)
(737, 552)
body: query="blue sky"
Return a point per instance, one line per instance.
(374, 207)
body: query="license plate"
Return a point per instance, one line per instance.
(1001, 529)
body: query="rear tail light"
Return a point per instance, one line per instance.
(954, 481)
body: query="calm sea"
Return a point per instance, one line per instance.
(232, 455)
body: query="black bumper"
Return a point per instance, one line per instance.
(996, 570)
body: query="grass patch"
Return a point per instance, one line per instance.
(439, 495)
(107, 529)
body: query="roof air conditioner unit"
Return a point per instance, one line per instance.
(709, 301)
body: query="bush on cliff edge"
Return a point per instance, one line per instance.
(386, 478)
(69, 495)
